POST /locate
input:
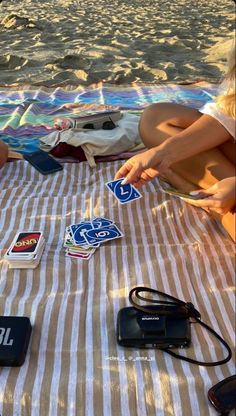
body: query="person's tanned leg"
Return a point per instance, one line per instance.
(160, 121)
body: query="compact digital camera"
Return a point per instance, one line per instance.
(136, 328)
(163, 326)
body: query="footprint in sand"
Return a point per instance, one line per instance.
(72, 62)
(14, 21)
(12, 62)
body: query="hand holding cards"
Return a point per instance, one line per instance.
(176, 192)
(26, 250)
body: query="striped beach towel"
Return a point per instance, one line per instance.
(74, 366)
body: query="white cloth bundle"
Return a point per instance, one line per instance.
(125, 137)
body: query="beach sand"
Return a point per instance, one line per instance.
(81, 42)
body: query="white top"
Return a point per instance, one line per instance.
(211, 109)
(228, 122)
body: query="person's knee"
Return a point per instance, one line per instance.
(153, 116)
(161, 120)
(149, 119)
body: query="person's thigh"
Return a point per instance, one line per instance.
(229, 150)
(162, 120)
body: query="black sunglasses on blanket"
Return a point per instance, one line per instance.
(223, 395)
(107, 125)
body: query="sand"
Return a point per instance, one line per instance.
(81, 42)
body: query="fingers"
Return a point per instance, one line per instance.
(209, 204)
(134, 174)
(202, 193)
(201, 202)
(139, 183)
(131, 171)
(122, 172)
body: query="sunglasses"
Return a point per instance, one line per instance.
(223, 395)
(107, 125)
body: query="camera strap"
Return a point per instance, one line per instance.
(179, 309)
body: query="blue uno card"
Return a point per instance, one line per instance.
(99, 222)
(100, 235)
(78, 231)
(124, 193)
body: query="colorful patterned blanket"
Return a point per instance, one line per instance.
(27, 113)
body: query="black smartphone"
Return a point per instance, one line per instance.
(223, 395)
(43, 162)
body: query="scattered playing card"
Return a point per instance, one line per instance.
(100, 235)
(82, 239)
(79, 255)
(78, 230)
(124, 193)
(101, 222)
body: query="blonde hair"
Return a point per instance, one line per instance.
(226, 102)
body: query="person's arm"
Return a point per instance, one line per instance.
(3, 153)
(206, 133)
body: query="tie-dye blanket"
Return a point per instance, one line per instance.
(27, 113)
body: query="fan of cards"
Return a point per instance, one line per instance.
(173, 191)
(82, 239)
(25, 250)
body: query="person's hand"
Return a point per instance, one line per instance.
(143, 167)
(220, 197)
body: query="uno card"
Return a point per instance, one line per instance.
(79, 256)
(175, 192)
(25, 244)
(78, 231)
(68, 238)
(19, 259)
(124, 193)
(100, 235)
(81, 249)
(101, 222)
(25, 260)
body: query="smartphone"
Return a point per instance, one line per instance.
(223, 395)
(43, 162)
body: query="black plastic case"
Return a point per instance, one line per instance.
(14, 340)
(139, 329)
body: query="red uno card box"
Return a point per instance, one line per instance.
(14, 340)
